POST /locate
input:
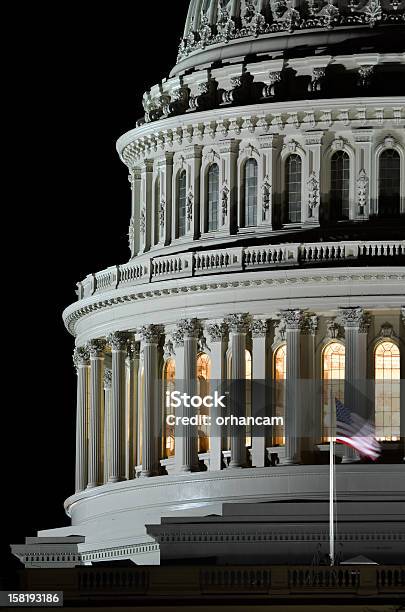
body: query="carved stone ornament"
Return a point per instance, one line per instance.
(189, 205)
(187, 328)
(118, 341)
(131, 235)
(266, 192)
(239, 323)
(162, 213)
(133, 350)
(355, 317)
(389, 142)
(310, 324)
(269, 91)
(202, 344)
(313, 193)
(365, 74)
(259, 328)
(316, 79)
(142, 222)
(217, 331)
(107, 379)
(211, 156)
(338, 144)
(150, 334)
(96, 348)
(224, 201)
(293, 318)
(168, 349)
(225, 25)
(403, 314)
(81, 356)
(333, 329)
(205, 31)
(387, 331)
(362, 191)
(279, 331)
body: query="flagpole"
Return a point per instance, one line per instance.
(331, 486)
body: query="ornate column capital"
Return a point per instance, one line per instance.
(96, 348)
(239, 323)
(354, 317)
(334, 331)
(118, 341)
(107, 379)
(310, 324)
(259, 328)
(186, 328)
(150, 334)
(217, 331)
(81, 357)
(293, 318)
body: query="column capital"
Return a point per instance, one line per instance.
(239, 323)
(118, 341)
(310, 324)
(293, 318)
(107, 379)
(81, 356)
(133, 350)
(217, 331)
(150, 334)
(186, 328)
(259, 328)
(96, 348)
(354, 317)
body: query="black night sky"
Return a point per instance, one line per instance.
(75, 87)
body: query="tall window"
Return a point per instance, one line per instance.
(182, 203)
(250, 186)
(280, 374)
(203, 380)
(333, 375)
(293, 181)
(213, 197)
(157, 211)
(169, 377)
(387, 391)
(389, 184)
(339, 188)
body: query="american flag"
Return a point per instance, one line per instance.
(354, 431)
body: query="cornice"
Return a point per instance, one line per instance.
(93, 304)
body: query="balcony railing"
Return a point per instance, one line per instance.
(219, 261)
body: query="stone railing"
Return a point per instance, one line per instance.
(146, 269)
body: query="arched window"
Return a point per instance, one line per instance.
(389, 183)
(250, 188)
(333, 376)
(213, 197)
(182, 203)
(293, 185)
(339, 185)
(169, 378)
(203, 381)
(280, 374)
(387, 391)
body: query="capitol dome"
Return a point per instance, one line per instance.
(266, 246)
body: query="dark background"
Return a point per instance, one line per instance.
(74, 83)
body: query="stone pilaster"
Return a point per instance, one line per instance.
(218, 343)
(186, 336)
(227, 176)
(150, 337)
(267, 180)
(145, 213)
(239, 328)
(107, 422)
(131, 413)
(293, 320)
(356, 326)
(118, 343)
(96, 350)
(260, 395)
(133, 234)
(363, 205)
(310, 210)
(81, 361)
(165, 167)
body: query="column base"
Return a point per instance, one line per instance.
(235, 466)
(93, 485)
(116, 479)
(146, 474)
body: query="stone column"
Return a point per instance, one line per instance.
(145, 215)
(218, 338)
(239, 328)
(311, 401)
(81, 361)
(355, 324)
(107, 422)
(150, 337)
(133, 234)
(118, 342)
(293, 320)
(131, 408)
(96, 350)
(186, 335)
(165, 166)
(260, 395)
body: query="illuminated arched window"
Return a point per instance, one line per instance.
(339, 185)
(182, 203)
(389, 183)
(250, 188)
(169, 378)
(203, 381)
(280, 374)
(333, 376)
(213, 197)
(387, 391)
(293, 188)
